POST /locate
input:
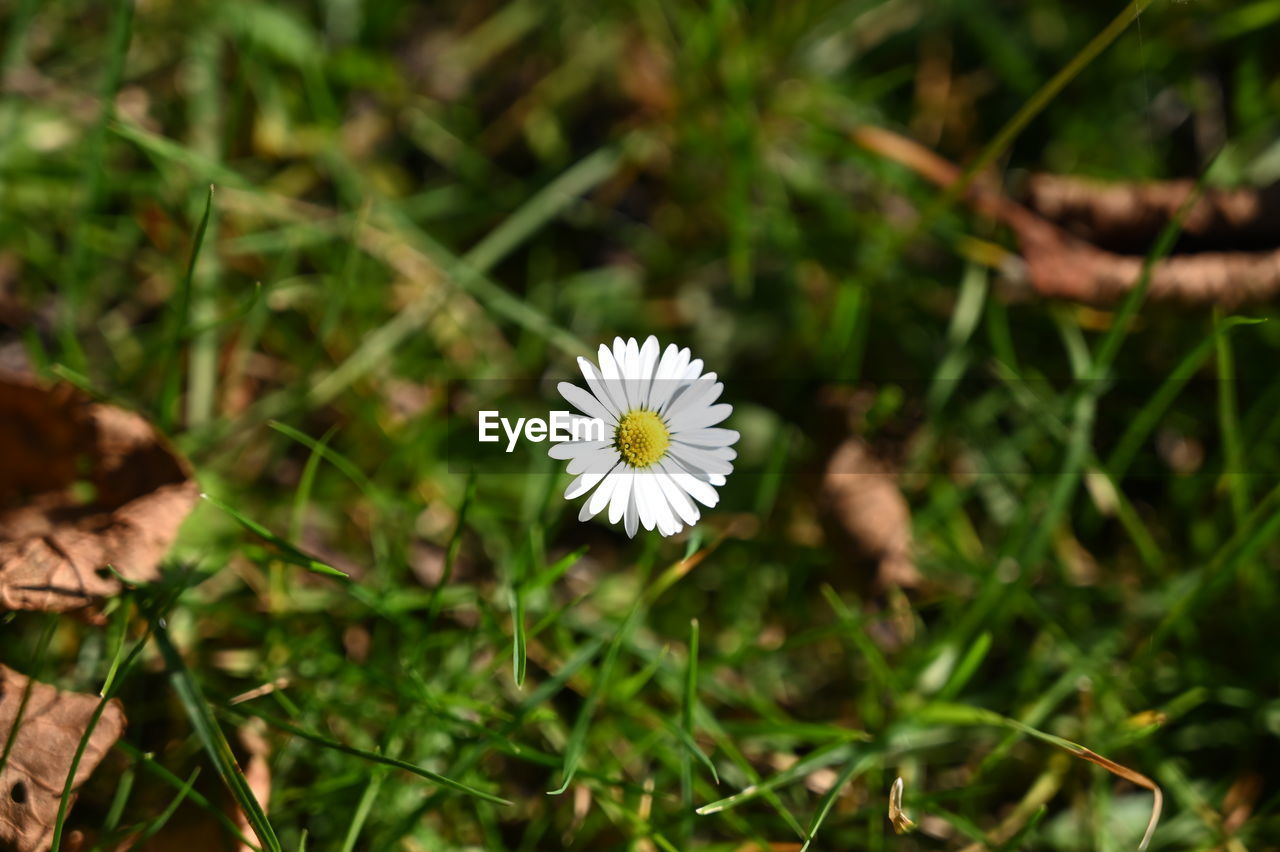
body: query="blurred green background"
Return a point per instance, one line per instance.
(417, 204)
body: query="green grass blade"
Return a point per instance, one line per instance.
(306, 482)
(159, 822)
(557, 569)
(344, 465)
(963, 714)
(578, 736)
(92, 178)
(692, 749)
(690, 698)
(289, 552)
(335, 458)
(179, 327)
(685, 733)
(544, 206)
(1041, 99)
(548, 688)
(468, 273)
(519, 650)
(124, 789)
(371, 757)
(17, 723)
(118, 671)
(852, 768)
(1153, 410)
(451, 552)
(215, 743)
(199, 800)
(967, 666)
(205, 111)
(817, 759)
(363, 809)
(1229, 422)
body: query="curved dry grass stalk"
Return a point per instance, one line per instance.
(897, 816)
(1157, 804)
(963, 714)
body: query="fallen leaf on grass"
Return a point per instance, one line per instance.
(52, 725)
(89, 493)
(1067, 216)
(863, 498)
(1064, 267)
(1240, 801)
(1133, 214)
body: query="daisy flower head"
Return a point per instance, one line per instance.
(662, 453)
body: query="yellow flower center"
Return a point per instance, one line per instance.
(641, 438)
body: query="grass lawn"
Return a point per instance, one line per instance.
(422, 210)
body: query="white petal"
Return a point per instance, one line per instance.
(667, 511)
(630, 520)
(620, 357)
(676, 381)
(587, 403)
(600, 460)
(695, 460)
(664, 518)
(707, 438)
(702, 392)
(690, 393)
(583, 484)
(600, 498)
(673, 390)
(599, 386)
(633, 358)
(621, 496)
(645, 500)
(648, 361)
(631, 373)
(669, 525)
(584, 514)
(664, 381)
(697, 488)
(571, 449)
(716, 479)
(680, 502)
(726, 453)
(693, 370)
(714, 393)
(698, 416)
(611, 372)
(667, 364)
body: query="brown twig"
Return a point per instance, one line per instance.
(1061, 265)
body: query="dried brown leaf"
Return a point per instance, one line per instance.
(861, 494)
(1060, 264)
(1064, 267)
(1133, 214)
(52, 725)
(85, 489)
(1240, 801)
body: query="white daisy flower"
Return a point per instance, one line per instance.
(661, 455)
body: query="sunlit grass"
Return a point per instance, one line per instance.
(417, 208)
